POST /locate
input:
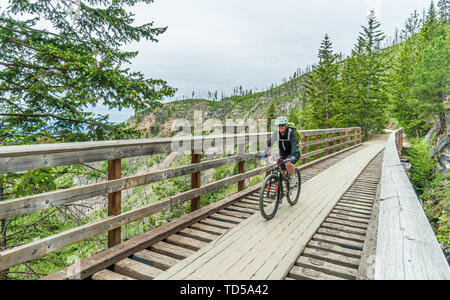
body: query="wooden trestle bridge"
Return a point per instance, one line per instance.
(358, 216)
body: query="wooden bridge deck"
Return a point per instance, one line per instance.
(260, 249)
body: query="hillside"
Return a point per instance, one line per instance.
(287, 96)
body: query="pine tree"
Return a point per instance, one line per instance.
(431, 75)
(50, 77)
(322, 86)
(271, 114)
(444, 10)
(405, 107)
(366, 74)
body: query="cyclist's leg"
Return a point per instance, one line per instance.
(290, 166)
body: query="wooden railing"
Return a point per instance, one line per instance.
(407, 248)
(22, 158)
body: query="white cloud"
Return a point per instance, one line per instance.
(218, 44)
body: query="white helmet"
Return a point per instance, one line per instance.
(281, 121)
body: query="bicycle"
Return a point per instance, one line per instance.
(271, 193)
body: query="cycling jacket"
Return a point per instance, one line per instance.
(287, 143)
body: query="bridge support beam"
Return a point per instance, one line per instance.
(114, 202)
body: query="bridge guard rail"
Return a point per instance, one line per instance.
(22, 158)
(407, 248)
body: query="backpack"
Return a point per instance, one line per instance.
(290, 127)
(297, 134)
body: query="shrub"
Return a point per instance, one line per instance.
(421, 164)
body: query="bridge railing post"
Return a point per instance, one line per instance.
(316, 137)
(195, 180)
(241, 151)
(335, 142)
(352, 138)
(114, 202)
(304, 149)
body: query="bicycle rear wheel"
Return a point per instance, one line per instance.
(269, 196)
(294, 191)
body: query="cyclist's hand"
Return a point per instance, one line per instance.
(292, 158)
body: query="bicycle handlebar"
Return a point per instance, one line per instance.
(278, 158)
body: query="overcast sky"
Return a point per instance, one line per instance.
(219, 44)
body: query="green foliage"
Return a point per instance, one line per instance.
(436, 203)
(322, 86)
(419, 81)
(365, 96)
(272, 111)
(406, 108)
(49, 79)
(421, 163)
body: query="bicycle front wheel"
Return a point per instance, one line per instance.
(294, 187)
(269, 196)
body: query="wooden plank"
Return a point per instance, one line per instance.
(171, 250)
(334, 258)
(348, 218)
(325, 141)
(350, 214)
(368, 202)
(246, 205)
(326, 267)
(303, 273)
(136, 270)
(241, 209)
(333, 248)
(156, 259)
(186, 242)
(360, 204)
(235, 214)
(229, 219)
(323, 131)
(353, 209)
(346, 223)
(338, 241)
(341, 234)
(343, 228)
(109, 275)
(199, 235)
(209, 229)
(114, 202)
(218, 224)
(19, 206)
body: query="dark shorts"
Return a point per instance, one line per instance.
(297, 157)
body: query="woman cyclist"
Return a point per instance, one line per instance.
(287, 144)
